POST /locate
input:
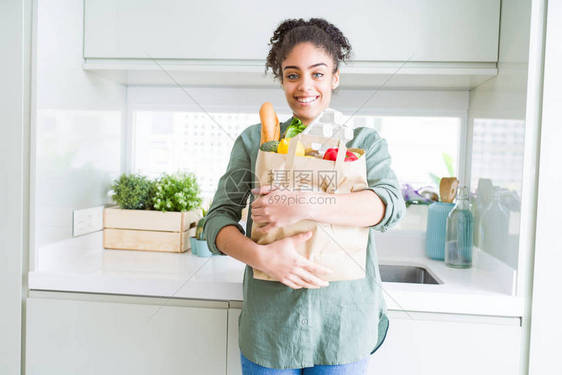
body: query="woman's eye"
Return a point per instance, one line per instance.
(296, 76)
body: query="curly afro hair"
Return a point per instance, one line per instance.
(317, 31)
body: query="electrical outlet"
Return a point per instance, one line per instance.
(87, 220)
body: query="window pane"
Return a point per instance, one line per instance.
(422, 148)
(191, 141)
(497, 152)
(195, 142)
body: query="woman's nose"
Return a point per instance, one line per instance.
(305, 83)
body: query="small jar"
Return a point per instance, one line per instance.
(436, 229)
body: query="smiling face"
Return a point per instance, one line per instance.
(308, 80)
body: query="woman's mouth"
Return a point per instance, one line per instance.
(307, 100)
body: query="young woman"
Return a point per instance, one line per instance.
(304, 324)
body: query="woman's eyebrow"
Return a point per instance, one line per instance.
(310, 67)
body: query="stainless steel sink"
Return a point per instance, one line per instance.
(399, 273)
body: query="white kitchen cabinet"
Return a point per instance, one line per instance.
(233, 365)
(443, 344)
(420, 30)
(431, 343)
(72, 333)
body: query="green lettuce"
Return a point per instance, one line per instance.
(294, 128)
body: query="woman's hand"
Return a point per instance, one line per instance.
(277, 207)
(284, 263)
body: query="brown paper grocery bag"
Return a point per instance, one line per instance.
(340, 248)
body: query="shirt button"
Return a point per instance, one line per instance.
(304, 321)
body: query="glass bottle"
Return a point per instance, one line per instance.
(458, 243)
(484, 193)
(494, 224)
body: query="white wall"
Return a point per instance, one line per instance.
(367, 101)
(78, 125)
(546, 330)
(502, 100)
(15, 40)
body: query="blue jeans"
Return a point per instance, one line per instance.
(354, 368)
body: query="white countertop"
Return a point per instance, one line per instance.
(82, 265)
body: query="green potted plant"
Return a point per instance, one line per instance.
(133, 192)
(199, 245)
(157, 215)
(176, 192)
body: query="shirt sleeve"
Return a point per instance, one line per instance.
(231, 196)
(383, 182)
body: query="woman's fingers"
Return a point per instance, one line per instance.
(290, 281)
(292, 285)
(301, 282)
(300, 272)
(267, 227)
(259, 211)
(256, 216)
(257, 204)
(317, 269)
(310, 279)
(264, 189)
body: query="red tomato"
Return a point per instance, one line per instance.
(332, 154)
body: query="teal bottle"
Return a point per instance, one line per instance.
(436, 229)
(458, 242)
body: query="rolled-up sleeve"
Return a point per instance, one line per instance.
(383, 182)
(231, 196)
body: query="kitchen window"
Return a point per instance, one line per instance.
(497, 152)
(422, 148)
(193, 129)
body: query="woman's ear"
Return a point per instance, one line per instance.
(336, 79)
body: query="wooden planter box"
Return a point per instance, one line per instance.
(148, 229)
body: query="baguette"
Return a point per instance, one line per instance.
(270, 129)
(277, 134)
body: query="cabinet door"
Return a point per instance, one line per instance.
(443, 344)
(379, 30)
(67, 336)
(233, 352)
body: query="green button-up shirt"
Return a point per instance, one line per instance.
(281, 327)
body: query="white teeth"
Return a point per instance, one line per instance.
(307, 100)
